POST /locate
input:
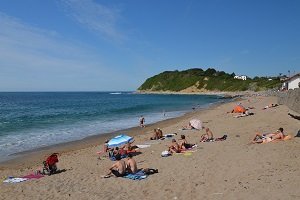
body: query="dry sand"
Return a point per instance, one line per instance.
(228, 169)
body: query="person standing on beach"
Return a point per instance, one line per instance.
(142, 121)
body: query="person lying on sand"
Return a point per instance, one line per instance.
(183, 144)
(265, 138)
(174, 147)
(158, 134)
(244, 114)
(118, 169)
(207, 136)
(270, 106)
(188, 127)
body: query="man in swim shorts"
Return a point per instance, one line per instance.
(265, 138)
(118, 168)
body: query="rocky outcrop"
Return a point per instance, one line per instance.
(291, 99)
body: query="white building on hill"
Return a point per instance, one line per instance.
(241, 77)
(292, 82)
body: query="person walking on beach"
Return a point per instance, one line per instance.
(142, 121)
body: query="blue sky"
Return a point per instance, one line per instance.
(95, 45)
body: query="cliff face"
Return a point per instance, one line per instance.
(291, 99)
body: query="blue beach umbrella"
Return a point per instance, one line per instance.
(119, 140)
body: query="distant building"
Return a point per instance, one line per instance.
(241, 77)
(292, 82)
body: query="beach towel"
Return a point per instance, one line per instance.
(15, 180)
(142, 146)
(165, 154)
(113, 158)
(33, 176)
(137, 176)
(167, 136)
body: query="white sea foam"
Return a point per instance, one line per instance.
(115, 93)
(35, 138)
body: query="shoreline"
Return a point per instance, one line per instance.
(35, 156)
(218, 93)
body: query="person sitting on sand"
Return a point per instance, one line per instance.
(183, 145)
(118, 168)
(174, 147)
(131, 166)
(105, 149)
(114, 153)
(265, 138)
(207, 136)
(158, 134)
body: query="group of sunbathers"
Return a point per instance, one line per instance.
(122, 151)
(129, 166)
(183, 145)
(121, 167)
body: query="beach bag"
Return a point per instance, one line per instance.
(165, 154)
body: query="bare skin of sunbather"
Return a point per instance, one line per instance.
(188, 127)
(157, 134)
(118, 168)
(174, 147)
(259, 138)
(183, 144)
(131, 165)
(207, 136)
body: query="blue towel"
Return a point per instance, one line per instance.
(137, 176)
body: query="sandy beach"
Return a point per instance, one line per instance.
(230, 169)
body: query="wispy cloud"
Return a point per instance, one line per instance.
(96, 17)
(44, 57)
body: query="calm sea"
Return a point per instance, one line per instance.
(30, 120)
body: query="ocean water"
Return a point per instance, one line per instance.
(36, 119)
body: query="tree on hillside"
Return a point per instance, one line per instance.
(210, 72)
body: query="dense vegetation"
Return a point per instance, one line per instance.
(210, 79)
